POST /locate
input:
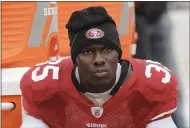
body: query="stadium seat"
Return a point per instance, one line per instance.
(26, 33)
(29, 36)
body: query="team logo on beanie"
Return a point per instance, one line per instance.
(94, 33)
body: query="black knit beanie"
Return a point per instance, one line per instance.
(90, 26)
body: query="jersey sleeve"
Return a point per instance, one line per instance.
(167, 104)
(32, 93)
(39, 83)
(167, 100)
(160, 88)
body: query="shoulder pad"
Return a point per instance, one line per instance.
(156, 82)
(42, 80)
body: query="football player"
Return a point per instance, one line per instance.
(95, 88)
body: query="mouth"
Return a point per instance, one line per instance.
(100, 73)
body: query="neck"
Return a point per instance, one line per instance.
(94, 89)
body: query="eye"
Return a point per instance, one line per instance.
(106, 49)
(86, 52)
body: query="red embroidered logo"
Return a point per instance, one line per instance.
(94, 33)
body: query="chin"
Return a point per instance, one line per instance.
(101, 82)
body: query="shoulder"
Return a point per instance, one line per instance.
(158, 85)
(155, 80)
(154, 72)
(42, 79)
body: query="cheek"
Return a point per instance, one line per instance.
(113, 68)
(83, 63)
(113, 61)
(81, 60)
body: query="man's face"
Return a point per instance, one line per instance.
(97, 65)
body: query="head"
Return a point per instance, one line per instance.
(95, 47)
(97, 65)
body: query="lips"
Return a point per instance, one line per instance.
(100, 73)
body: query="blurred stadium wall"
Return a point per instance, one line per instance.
(178, 14)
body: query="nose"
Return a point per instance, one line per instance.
(98, 59)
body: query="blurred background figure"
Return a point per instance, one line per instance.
(163, 36)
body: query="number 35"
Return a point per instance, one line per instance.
(152, 64)
(46, 69)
